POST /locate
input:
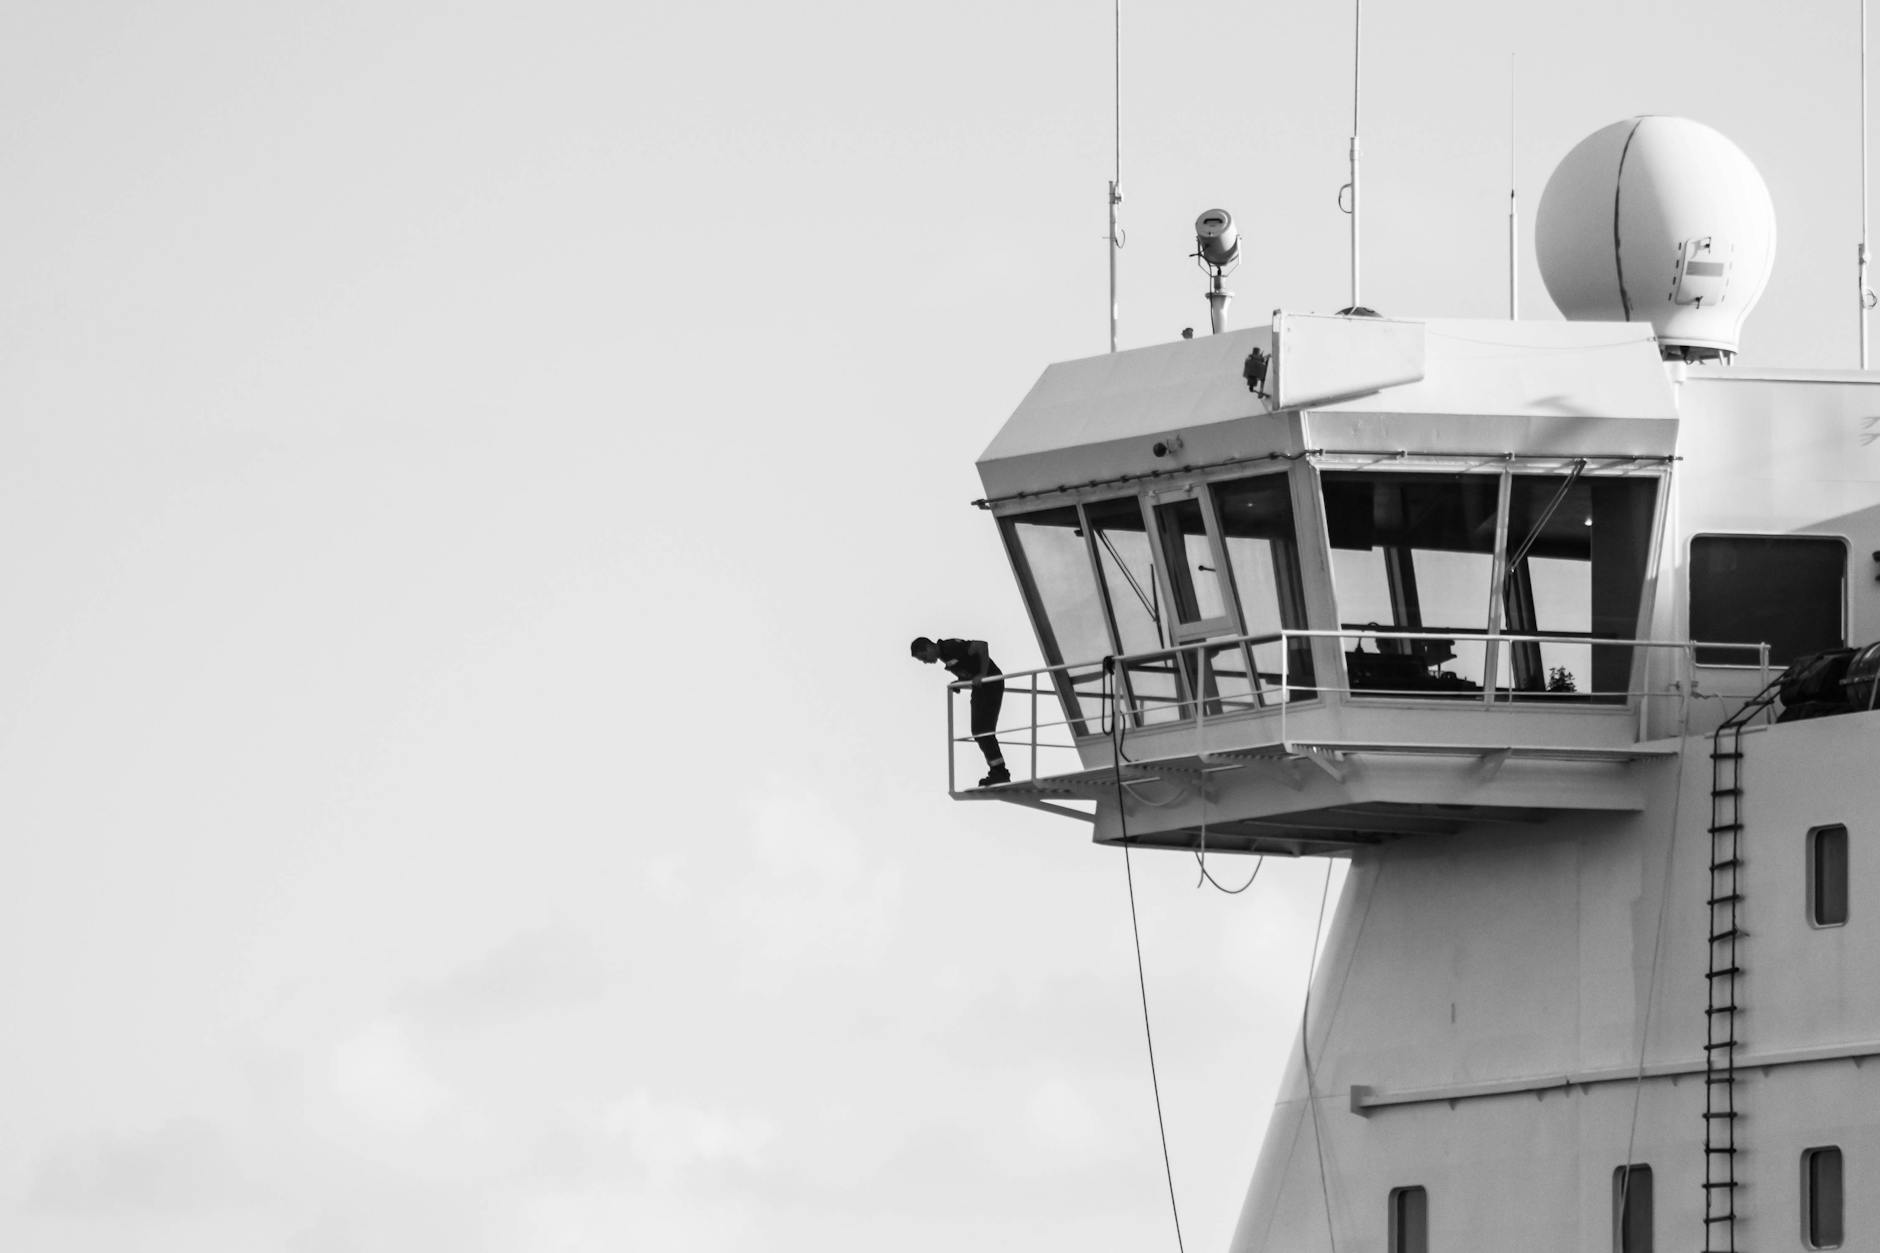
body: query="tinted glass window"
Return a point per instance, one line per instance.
(1256, 517)
(1152, 685)
(1632, 1209)
(1787, 590)
(1413, 555)
(1827, 876)
(1409, 1220)
(1577, 548)
(1053, 561)
(1822, 1198)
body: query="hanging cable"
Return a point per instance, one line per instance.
(1658, 940)
(1135, 930)
(1305, 1051)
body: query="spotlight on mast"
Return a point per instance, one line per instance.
(1217, 252)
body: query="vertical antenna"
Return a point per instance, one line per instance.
(1357, 62)
(1116, 182)
(1514, 230)
(1866, 294)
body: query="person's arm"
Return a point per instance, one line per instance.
(979, 652)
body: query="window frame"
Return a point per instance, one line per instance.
(1814, 870)
(1228, 622)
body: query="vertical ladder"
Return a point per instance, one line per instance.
(1721, 1037)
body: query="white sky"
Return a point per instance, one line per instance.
(468, 474)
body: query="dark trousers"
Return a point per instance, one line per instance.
(987, 698)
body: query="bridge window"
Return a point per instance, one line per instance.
(1409, 1220)
(1126, 561)
(1052, 556)
(1577, 547)
(1822, 1195)
(1787, 590)
(1827, 876)
(1413, 555)
(1632, 1209)
(1263, 554)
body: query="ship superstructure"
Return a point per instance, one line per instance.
(1500, 611)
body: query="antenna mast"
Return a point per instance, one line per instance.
(1514, 230)
(1116, 183)
(1867, 297)
(1357, 44)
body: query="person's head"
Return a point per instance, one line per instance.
(924, 649)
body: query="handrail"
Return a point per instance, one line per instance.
(1263, 697)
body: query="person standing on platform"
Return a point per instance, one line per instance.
(968, 659)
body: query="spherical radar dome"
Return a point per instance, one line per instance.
(1660, 220)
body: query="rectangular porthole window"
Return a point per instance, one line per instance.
(1821, 1198)
(1827, 875)
(1409, 1220)
(1632, 1209)
(1789, 591)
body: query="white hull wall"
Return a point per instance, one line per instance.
(1522, 956)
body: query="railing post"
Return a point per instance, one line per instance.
(1285, 679)
(1034, 728)
(950, 753)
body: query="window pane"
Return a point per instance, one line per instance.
(1576, 552)
(1054, 562)
(1189, 559)
(1632, 1209)
(1827, 876)
(1787, 590)
(1822, 1200)
(1413, 553)
(1151, 683)
(1409, 1220)
(1256, 518)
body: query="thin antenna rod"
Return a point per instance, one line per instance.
(1357, 63)
(1514, 229)
(1866, 293)
(1116, 182)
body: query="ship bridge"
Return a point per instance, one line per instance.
(1339, 580)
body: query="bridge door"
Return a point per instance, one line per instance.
(1194, 572)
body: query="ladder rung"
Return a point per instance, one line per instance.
(1726, 827)
(1722, 1044)
(1726, 1078)
(1716, 756)
(1727, 1183)
(1728, 896)
(1718, 793)
(1728, 863)
(1728, 934)
(1721, 1009)
(1727, 971)
(1722, 1113)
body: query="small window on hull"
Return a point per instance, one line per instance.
(1822, 1195)
(1409, 1220)
(1632, 1209)
(1827, 876)
(1786, 590)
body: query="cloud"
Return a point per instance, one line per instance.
(184, 1166)
(813, 895)
(537, 972)
(381, 1082)
(670, 1139)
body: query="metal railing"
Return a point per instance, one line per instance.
(1184, 685)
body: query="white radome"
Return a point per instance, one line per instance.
(1660, 220)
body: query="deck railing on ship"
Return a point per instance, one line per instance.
(1049, 711)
